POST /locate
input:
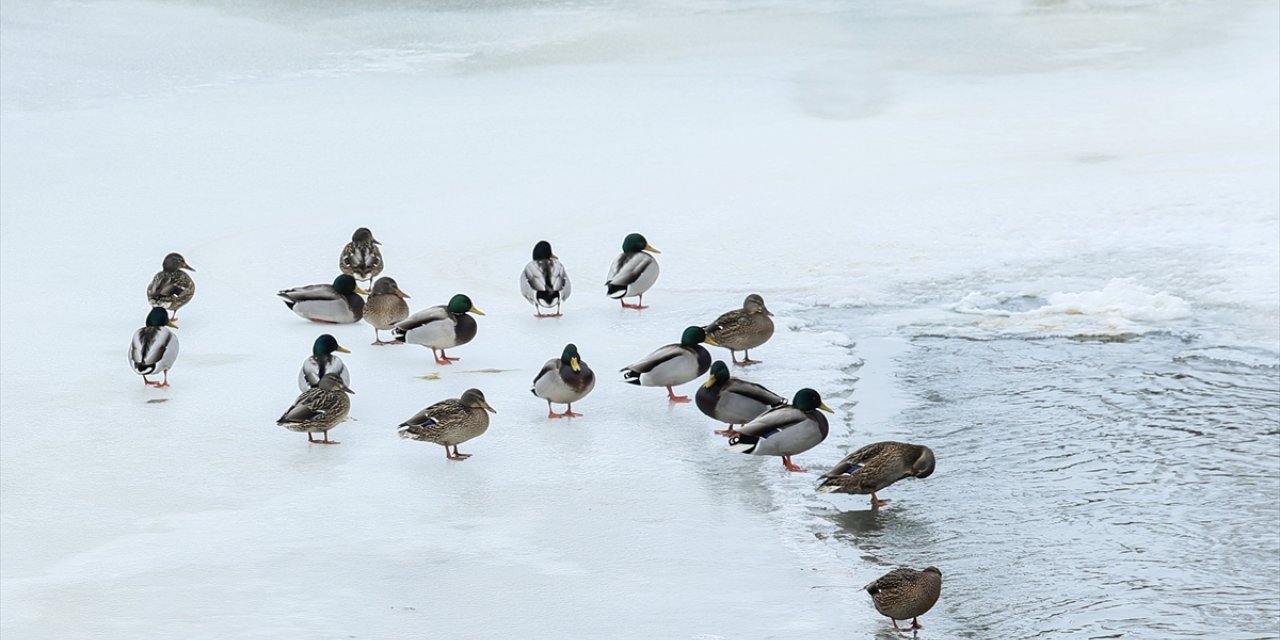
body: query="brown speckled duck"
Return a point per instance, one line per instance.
(876, 466)
(319, 409)
(361, 258)
(450, 422)
(906, 594)
(171, 288)
(385, 307)
(743, 329)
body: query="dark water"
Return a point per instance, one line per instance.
(1086, 488)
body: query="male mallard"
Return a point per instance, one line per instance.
(450, 422)
(336, 303)
(733, 400)
(785, 430)
(386, 306)
(743, 329)
(319, 409)
(545, 283)
(171, 288)
(672, 364)
(876, 466)
(905, 594)
(633, 272)
(154, 348)
(440, 327)
(565, 380)
(361, 258)
(323, 362)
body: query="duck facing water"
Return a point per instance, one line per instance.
(876, 466)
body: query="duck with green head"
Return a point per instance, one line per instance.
(633, 272)
(564, 380)
(733, 400)
(322, 362)
(386, 306)
(337, 303)
(785, 430)
(544, 282)
(154, 348)
(171, 288)
(672, 364)
(319, 409)
(440, 327)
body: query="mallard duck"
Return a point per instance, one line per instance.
(785, 430)
(440, 327)
(336, 303)
(386, 306)
(672, 364)
(154, 348)
(545, 283)
(171, 288)
(361, 258)
(876, 466)
(733, 400)
(323, 362)
(633, 272)
(319, 409)
(450, 422)
(565, 380)
(743, 329)
(905, 594)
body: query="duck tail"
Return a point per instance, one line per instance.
(548, 298)
(743, 443)
(630, 377)
(616, 291)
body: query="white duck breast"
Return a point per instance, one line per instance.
(312, 370)
(786, 431)
(435, 327)
(322, 302)
(544, 283)
(671, 365)
(632, 274)
(553, 382)
(153, 350)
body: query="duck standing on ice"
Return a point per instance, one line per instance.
(633, 272)
(672, 364)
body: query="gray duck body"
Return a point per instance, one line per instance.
(559, 383)
(735, 401)
(906, 594)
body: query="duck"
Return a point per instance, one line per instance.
(743, 329)
(876, 466)
(733, 400)
(450, 422)
(905, 593)
(322, 362)
(672, 364)
(633, 272)
(440, 327)
(361, 258)
(319, 409)
(545, 283)
(171, 288)
(564, 380)
(337, 303)
(154, 348)
(385, 307)
(785, 430)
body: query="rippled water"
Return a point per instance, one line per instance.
(1088, 487)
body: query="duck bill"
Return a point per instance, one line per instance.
(401, 293)
(709, 340)
(573, 364)
(555, 257)
(342, 349)
(348, 389)
(711, 380)
(361, 291)
(648, 247)
(171, 324)
(477, 312)
(824, 407)
(488, 408)
(187, 267)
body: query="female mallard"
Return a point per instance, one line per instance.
(386, 306)
(876, 466)
(319, 409)
(672, 364)
(171, 288)
(335, 303)
(361, 258)
(154, 348)
(785, 430)
(565, 380)
(545, 283)
(440, 327)
(905, 594)
(733, 400)
(450, 422)
(322, 362)
(743, 329)
(633, 272)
